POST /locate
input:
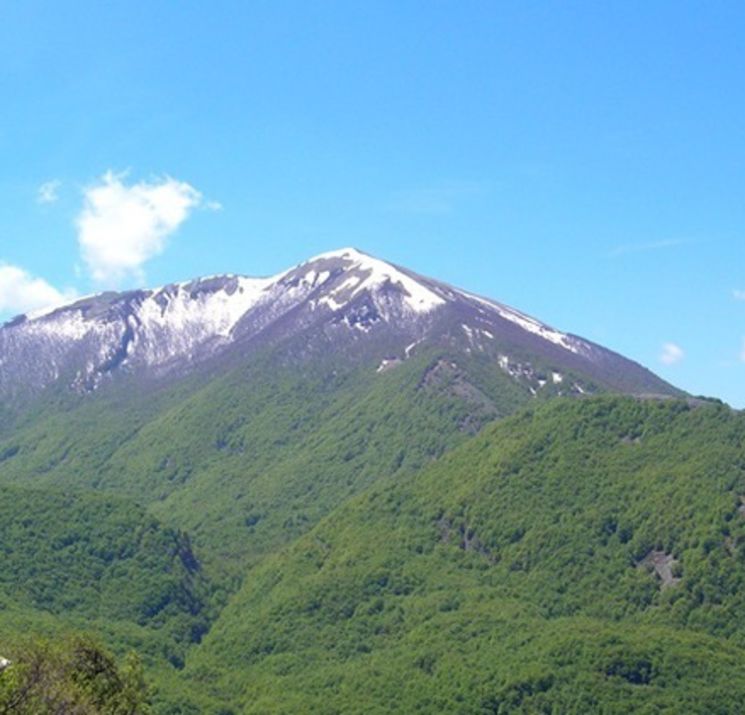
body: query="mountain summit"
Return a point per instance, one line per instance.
(348, 488)
(343, 302)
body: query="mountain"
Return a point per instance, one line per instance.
(582, 556)
(164, 453)
(87, 558)
(344, 301)
(244, 410)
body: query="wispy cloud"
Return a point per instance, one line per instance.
(671, 354)
(20, 292)
(650, 246)
(122, 226)
(48, 192)
(738, 294)
(434, 200)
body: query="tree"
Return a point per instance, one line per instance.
(73, 677)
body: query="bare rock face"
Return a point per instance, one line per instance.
(343, 302)
(663, 565)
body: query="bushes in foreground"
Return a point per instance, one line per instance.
(72, 677)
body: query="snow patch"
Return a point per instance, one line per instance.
(387, 364)
(68, 325)
(331, 302)
(417, 298)
(530, 324)
(409, 348)
(211, 312)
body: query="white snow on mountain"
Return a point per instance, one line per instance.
(176, 324)
(530, 324)
(182, 307)
(371, 274)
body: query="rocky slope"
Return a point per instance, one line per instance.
(343, 302)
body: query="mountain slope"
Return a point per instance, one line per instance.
(343, 301)
(244, 410)
(237, 414)
(523, 572)
(257, 455)
(90, 561)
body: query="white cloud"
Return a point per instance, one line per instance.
(742, 351)
(48, 192)
(738, 294)
(213, 206)
(671, 354)
(122, 226)
(20, 292)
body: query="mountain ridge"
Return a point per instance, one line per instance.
(340, 298)
(368, 477)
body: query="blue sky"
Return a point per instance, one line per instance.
(581, 161)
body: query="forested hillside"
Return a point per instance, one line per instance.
(370, 509)
(523, 572)
(100, 563)
(253, 457)
(134, 514)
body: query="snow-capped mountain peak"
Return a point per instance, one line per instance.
(365, 273)
(336, 299)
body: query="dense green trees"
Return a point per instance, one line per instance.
(351, 548)
(73, 676)
(510, 577)
(87, 560)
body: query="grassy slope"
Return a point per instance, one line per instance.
(506, 578)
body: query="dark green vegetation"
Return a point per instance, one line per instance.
(510, 577)
(71, 676)
(253, 458)
(338, 541)
(101, 561)
(136, 513)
